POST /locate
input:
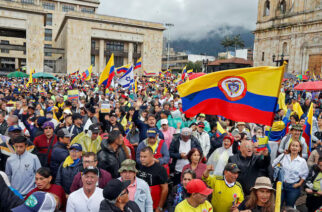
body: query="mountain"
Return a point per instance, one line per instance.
(211, 44)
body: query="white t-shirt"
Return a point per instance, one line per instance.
(184, 147)
(79, 202)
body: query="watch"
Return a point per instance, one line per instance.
(160, 209)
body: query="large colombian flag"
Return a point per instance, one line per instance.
(108, 73)
(248, 94)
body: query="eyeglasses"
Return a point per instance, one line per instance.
(124, 192)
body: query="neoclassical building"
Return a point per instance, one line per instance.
(290, 30)
(63, 36)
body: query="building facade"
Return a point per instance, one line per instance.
(289, 30)
(63, 36)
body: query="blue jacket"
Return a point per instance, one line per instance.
(143, 127)
(58, 155)
(65, 175)
(164, 151)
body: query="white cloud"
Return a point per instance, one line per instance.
(193, 19)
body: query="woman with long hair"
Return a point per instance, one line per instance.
(195, 158)
(295, 172)
(261, 198)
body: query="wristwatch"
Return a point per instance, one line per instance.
(160, 209)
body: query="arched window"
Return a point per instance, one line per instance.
(284, 49)
(283, 6)
(266, 8)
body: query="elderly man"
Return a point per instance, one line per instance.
(227, 192)
(179, 148)
(250, 165)
(89, 197)
(197, 198)
(139, 190)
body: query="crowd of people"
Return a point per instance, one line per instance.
(134, 150)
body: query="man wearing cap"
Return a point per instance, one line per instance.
(21, 167)
(90, 141)
(227, 192)
(89, 197)
(202, 118)
(168, 131)
(295, 135)
(113, 123)
(159, 147)
(39, 201)
(90, 159)
(44, 143)
(143, 127)
(179, 148)
(60, 150)
(138, 190)
(241, 128)
(77, 126)
(70, 167)
(197, 198)
(203, 138)
(117, 199)
(156, 177)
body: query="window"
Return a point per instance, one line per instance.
(67, 8)
(87, 10)
(48, 54)
(266, 8)
(93, 60)
(27, 1)
(93, 44)
(284, 49)
(48, 34)
(283, 6)
(49, 19)
(7, 43)
(115, 46)
(48, 5)
(263, 56)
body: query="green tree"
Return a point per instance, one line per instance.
(227, 42)
(238, 42)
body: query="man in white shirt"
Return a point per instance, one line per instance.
(89, 197)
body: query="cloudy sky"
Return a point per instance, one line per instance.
(193, 19)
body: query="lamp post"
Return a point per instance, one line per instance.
(205, 64)
(168, 25)
(277, 61)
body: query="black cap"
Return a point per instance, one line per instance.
(77, 116)
(232, 167)
(92, 110)
(114, 188)
(113, 114)
(91, 169)
(94, 128)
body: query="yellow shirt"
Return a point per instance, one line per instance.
(154, 146)
(223, 196)
(184, 206)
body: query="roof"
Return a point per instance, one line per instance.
(235, 60)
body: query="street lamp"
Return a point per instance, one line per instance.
(205, 64)
(277, 61)
(168, 25)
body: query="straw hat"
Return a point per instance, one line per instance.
(263, 182)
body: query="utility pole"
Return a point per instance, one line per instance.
(168, 25)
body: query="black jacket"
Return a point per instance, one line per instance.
(8, 199)
(249, 169)
(3, 127)
(65, 175)
(110, 160)
(129, 207)
(174, 149)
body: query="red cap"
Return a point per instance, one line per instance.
(230, 138)
(201, 124)
(198, 186)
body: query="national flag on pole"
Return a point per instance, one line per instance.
(308, 127)
(30, 78)
(138, 64)
(123, 69)
(86, 75)
(127, 79)
(248, 95)
(184, 72)
(190, 71)
(108, 73)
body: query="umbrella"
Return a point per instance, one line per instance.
(17, 74)
(302, 77)
(43, 75)
(309, 86)
(196, 75)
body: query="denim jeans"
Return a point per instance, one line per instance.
(290, 194)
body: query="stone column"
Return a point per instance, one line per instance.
(101, 55)
(130, 54)
(16, 63)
